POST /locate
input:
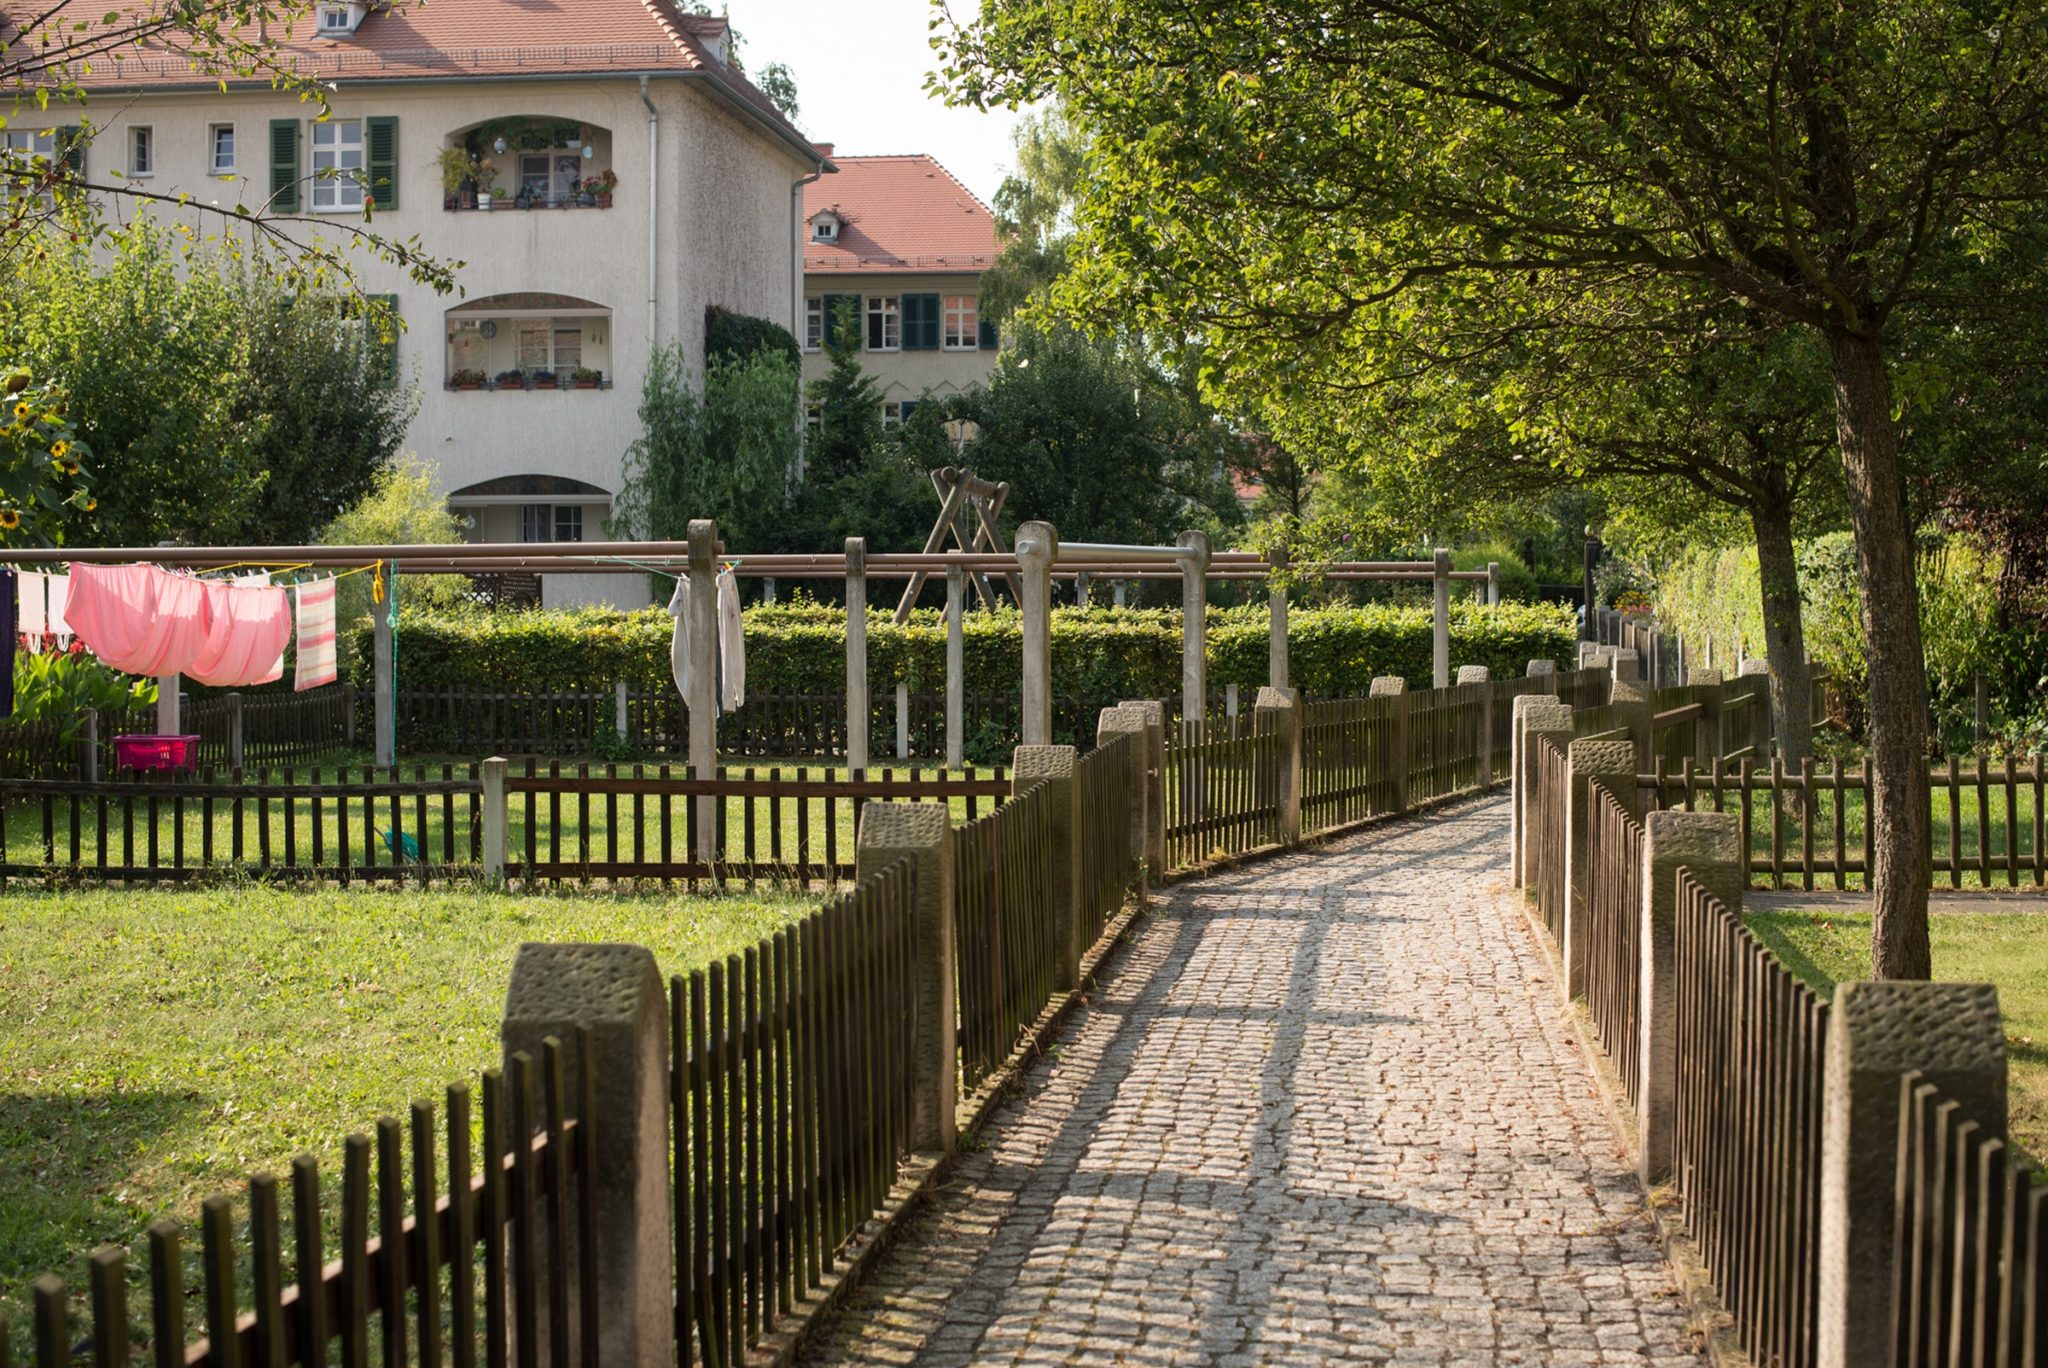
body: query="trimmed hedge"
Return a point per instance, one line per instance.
(1098, 654)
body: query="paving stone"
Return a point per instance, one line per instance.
(1324, 1109)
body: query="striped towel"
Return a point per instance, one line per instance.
(316, 635)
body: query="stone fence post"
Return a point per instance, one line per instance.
(236, 745)
(621, 718)
(1479, 674)
(1627, 665)
(615, 991)
(1037, 547)
(1279, 711)
(921, 832)
(1709, 845)
(1052, 767)
(1877, 1031)
(1110, 724)
(1492, 584)
(1395, 688)
(1533, 713)
(1614, 761)
(1705, 682)
(1151, 722)
(1540, 667)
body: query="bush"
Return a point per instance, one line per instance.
(730, 336)
(55, 688)
(1098, 654)
(1517, 581)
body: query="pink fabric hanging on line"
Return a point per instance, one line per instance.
(138, 619)
(315, 664)
(245, 640)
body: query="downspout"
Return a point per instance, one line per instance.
(653, 218)
(796, 302)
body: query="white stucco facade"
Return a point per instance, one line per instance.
(705, 212)
(903, 373)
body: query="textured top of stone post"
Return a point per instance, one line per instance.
(1038, 545)
(1194, 550)
(1703, 674)
(1150, 710)
(1601, 757)
(1474, 674)
(1755, 665)
(1443, 560)
(1889, 1026)
(889, 828)
(1627, 689)
(856, 555)
(1386, 686)
(1542, 667)
(1537, 711)
(703, 535)
(1270, 697)
(590, 984)
(1030, 764)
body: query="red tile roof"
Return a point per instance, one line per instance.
(904, 214)
(455, 38)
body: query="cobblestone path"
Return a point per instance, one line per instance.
(1323, 1109)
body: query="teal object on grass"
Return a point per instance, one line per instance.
(401, 843)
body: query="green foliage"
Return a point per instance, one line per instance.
(1517, 583)
(728, 453)
(54, 688)
(847, 403)
(218, 407)
(1101, 655)
(1102, 449)
(403, 508)
(730, 336)
(42, 461)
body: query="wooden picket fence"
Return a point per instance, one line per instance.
(1809, 827)
(420, 823)
(480, 1273)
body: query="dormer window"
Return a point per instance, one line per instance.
(338, 21)
(825, 228)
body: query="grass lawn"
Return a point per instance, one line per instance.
(155, 1047)
(587, 827)
(2009, 949)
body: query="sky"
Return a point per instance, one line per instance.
(860, 67)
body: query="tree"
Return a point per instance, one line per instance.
(778, 83)
(401, 507)
(42, 462)
(218, 406)
(1034, 211)
(1291, 180)
(847, 403)
(727, 452)
(1101, 451)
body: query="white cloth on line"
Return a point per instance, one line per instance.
(732, 643)
(31, 618)
(679, 643)
(59, 587)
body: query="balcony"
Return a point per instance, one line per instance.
(527, 162)
(529, 342)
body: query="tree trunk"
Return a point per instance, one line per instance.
(1898, 817)
(1784, 629)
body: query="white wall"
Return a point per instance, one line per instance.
(902, 374)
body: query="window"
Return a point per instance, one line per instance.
(551, 522)
(825, 229)
(885, 324)
(814, 322)
(220, 140)
(18, 150)
(334, 19)
(894, 412)
(141, 150)
(338, 164)
(533, 347)
(545, 347)
(961, 323)
(568, 348)
(814, 417)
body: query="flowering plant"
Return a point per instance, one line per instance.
(42, 461)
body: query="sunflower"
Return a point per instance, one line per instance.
(66, 466)
(57, 450)
(10, 518)
(21, 412)
(91, 504)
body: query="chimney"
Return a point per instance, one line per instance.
(823, 149)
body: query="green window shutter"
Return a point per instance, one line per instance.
(921, 322)
(284, 164)
(380, 156)
(989, 340)
(71, 142)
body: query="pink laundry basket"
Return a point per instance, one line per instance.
(170, 754)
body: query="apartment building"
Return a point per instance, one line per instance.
(597, 165)
(906, 244)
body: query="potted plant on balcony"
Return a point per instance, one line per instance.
(605, 185)
(486, 178)
(466, 380)
(583, 377)
(586, 193)
(514, 379)
(458, 175)
(546, 379)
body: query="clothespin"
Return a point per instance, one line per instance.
(377, 583)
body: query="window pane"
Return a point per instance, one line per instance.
(224, 147)
(569, 522)
(536, 523)
(533, 347)
(814, 323)
(568, 348)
